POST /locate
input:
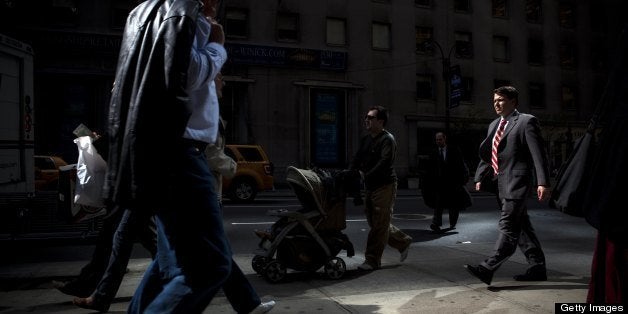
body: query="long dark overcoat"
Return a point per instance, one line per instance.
(443, 184)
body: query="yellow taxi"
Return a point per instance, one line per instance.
(253, 174)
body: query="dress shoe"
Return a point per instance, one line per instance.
(264, 307)
(435, 228)
(534, 273)
(403, 254)
(92, 303)
(481, 273)
(366, 267)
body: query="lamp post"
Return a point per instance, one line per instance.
(446, 77)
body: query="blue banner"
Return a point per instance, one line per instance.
(455, 86)
(288, 57)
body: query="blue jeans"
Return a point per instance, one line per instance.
(133, 223)
(193, 253)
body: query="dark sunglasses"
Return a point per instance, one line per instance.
(367, 117)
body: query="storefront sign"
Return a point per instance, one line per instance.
(289, 57)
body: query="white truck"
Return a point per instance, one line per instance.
(17, 184)
(26, 211)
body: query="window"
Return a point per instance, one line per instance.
(567, 14)
(567, 55)
(424, 87)
(45, 163)
(236, 23)
(423, 36)
(381, 36)
(535, 51)
(463, 6)
(568, 97)
(287, 27)
(63, 13)
(464, 45)
(467, 89)
(500, 9)
(499, 83)
(336, 31)
(537, 95)
(501, 51)
(533, 11)
(229, 152)
(423, 3)
(251, 154)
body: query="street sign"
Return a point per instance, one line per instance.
(455, 83)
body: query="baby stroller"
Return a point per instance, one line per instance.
(311, 237)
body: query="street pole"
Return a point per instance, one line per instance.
(447, 78)
(446, 62)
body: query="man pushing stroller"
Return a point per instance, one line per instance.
(374, 159)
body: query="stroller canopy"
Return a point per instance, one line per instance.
(308, 187)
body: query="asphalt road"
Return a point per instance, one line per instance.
(476, 224)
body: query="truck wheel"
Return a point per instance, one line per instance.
(243, 190)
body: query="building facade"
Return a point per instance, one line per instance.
(301, 74)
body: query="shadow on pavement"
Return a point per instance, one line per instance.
(538, 287)
(422, 235)
(9, 284)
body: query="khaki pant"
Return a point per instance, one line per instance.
(379, 208)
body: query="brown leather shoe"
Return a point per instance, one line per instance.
(262, 234)
(91, 303)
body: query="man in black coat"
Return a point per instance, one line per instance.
(444, 183)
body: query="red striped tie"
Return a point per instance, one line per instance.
(496, 140)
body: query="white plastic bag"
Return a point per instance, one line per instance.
(90, 172)
(220, 162)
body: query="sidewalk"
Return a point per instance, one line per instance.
(431, 280)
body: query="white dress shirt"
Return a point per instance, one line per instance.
(206, 60)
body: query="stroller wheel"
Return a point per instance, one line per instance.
(335, 268)
(258, 263)
(274, 271)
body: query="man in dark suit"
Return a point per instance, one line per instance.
(514, 154)
(444, 183)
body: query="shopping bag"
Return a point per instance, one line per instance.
(90, 172)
